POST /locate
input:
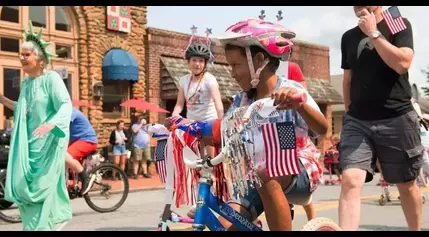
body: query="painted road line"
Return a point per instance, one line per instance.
(321, 206)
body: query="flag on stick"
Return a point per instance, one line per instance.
(394, 20)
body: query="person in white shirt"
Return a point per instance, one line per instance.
(199, 89)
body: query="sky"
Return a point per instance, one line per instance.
(322, 25)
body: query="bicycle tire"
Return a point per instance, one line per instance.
(7, 204)
(321, 224)
(124, 195)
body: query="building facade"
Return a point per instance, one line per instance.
(88, 50)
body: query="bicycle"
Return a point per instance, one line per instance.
(95, 165)
(208, 203)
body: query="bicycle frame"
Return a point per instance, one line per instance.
(207, 202)
(70, 175)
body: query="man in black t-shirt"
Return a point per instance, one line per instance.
(380, 120)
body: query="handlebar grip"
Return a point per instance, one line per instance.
(299, 97)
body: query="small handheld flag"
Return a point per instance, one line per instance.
(394, 20)
(280, 149)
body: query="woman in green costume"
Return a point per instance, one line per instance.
(36, 171)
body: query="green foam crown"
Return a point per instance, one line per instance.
(29, 35)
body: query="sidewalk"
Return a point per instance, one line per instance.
(142, 183)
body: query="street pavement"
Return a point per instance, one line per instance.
(141, 211)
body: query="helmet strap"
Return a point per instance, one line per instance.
(254, 74)
(199, 74)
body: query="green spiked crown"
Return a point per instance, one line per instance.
(37, 38)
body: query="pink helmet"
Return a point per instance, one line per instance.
(274, 38)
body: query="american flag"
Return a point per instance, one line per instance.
(394, 20)
(161, 166)
(280, 149)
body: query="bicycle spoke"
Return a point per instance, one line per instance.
(107, 194)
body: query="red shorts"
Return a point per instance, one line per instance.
(80, 149)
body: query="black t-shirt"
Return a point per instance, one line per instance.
(377, 91)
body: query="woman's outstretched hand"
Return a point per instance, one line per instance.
(43, 129)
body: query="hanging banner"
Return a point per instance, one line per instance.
(119, 18)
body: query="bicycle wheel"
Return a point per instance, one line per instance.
(321, 224)
(7, 213)
(104, 188)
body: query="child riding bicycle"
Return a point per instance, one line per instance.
(254, 60)
(253, 49)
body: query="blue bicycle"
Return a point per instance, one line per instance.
(207, 203)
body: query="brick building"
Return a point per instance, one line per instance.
(128, 59)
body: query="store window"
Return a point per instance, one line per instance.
(63, 51)
(62, 22)
(38, 15)
(10, 14)
(115, 92)
(12, 85)
(9, 45)
(67, 81)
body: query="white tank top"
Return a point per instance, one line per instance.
(199, 102)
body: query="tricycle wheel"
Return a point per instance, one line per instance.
(321, 224)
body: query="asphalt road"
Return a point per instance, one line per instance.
(142, 209)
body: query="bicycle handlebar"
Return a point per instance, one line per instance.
(203, 163)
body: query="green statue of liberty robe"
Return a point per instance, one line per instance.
(36, 170)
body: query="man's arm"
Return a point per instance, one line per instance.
(398, 55)
(346, 88)
(136, 127)
(10, 104)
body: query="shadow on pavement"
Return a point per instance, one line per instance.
(386, 228)
(326, 200)
(86, 213)
(394, 203)
(126, 229)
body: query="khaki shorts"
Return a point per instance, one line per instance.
(139, 154)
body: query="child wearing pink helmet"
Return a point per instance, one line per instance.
(254, 49)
